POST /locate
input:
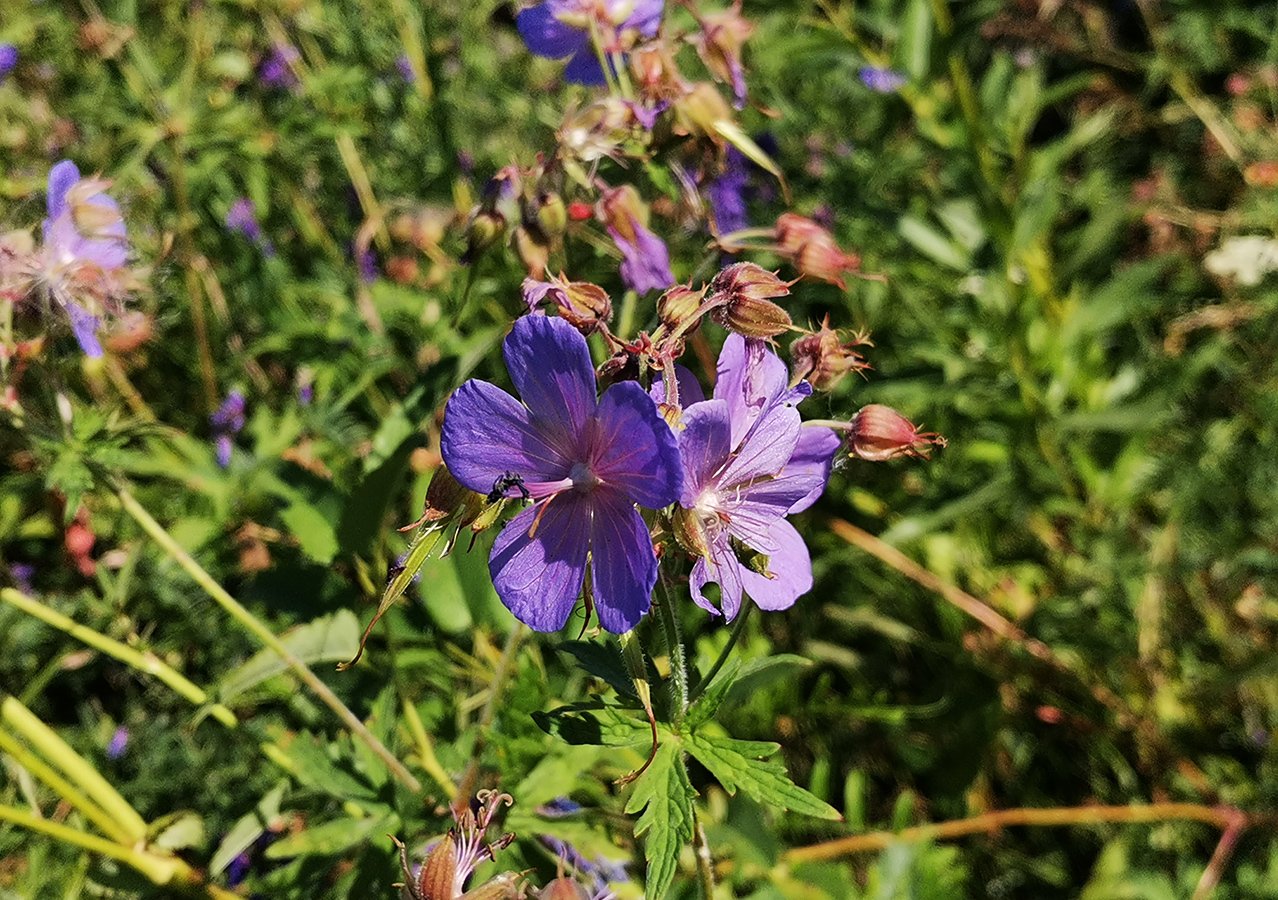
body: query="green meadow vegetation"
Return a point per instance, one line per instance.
(1036, 659)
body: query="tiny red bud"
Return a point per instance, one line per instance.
(580, 212)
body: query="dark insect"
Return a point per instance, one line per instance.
(505, 482)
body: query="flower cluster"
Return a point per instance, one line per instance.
(80, 269)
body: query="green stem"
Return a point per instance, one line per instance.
(266, 636)
(63, 788)
(143, 662)
(705, 865)
(130, 826)
(674, 647)
(738, 628)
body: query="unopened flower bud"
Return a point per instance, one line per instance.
(435, 881)
(446, 496)
(690, 532)
(823, 359)
(879, 433)
(620, 208)
(740, 294)
(678, 307)
(752, 318)
(563, 889)
(484, 230)
(719, 44)
(533, 251)
(701, 108)
(551, 213)
(402, 269)
(813, 250)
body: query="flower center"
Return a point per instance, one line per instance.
(583, 480)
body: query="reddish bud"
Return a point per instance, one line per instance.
(740, 296)
(580, 212)
(402, 269)
(563, 889)
(879, 433)
(813, 250)
(678, 307)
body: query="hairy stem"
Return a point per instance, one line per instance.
(674, 647)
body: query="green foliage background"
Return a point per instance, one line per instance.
(1040, 197)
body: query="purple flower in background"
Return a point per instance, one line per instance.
(883, 81)
(22, 573)
(405, 67)
(8, 59)
(85, 249)
(557, 29)
(242, 218)
(726, 194)
(367, 265)
(585, 462)
(596, 872)
(748, 463)
(645, 263)
(227, 422)
(118, 743)
(277, 69)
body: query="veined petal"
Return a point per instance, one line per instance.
(752, 379)
(549, 363)
(547, 36)
(646, 17)
(487, 433)
(623, 564)
(789, 566)
(813, 457)
(704, 444)
(723, 568)
(766, 449)
(539, 560)
(61, 178)
(634, 451)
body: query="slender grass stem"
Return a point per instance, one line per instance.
(63, 788)
(266, 636)
(143, 662)
(1221, 817)
(705, 865)
(130, 827)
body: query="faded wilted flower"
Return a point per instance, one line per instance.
(823, 359)
(586, 306)
(448, 866)
(719, 43)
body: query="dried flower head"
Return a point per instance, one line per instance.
(454, 858)
(823, 359)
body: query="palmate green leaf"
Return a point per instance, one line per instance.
(708, 703)
(604, 661)
(665, 794)
(595, 724)
(743, 764)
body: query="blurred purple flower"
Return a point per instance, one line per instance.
(557, 29)
(405, 67)
(726, 194)
(645, 262)
(277, 69)
(227, 421)
(748, 463)
(585, 462)
(84, 253)
(118, 743)
(367, 265)
(242, 217)
(8, 59)
(22, 573)
(595, 871)
(883, 81)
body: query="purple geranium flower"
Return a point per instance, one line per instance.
(80, 263)
(726, 194)
(8, 59)
(557, 29)
(585, 462)
(882, 81)
(748, 463)
(277, 70)
(227, 422)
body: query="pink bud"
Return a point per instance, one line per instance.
(879, 433)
